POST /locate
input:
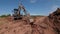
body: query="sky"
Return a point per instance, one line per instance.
(34, 7)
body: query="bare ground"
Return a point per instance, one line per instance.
(41, 25)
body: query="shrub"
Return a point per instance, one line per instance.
(5, 15)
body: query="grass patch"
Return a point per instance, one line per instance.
(34, 16)
(2, 16)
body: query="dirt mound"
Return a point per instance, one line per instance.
(14, 27)
(41, 25)
(55, 19)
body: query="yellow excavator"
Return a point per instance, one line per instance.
(17, 12)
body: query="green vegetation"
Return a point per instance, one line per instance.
(34, 16)
(5, 15)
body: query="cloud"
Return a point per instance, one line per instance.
(33, 1)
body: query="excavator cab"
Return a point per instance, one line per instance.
(17, 15)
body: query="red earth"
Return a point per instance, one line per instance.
(41, 25)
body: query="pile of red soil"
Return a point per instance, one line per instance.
(41, 25)
(55, 19)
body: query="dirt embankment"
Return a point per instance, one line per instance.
(41, 25)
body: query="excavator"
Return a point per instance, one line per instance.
(17, 12)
